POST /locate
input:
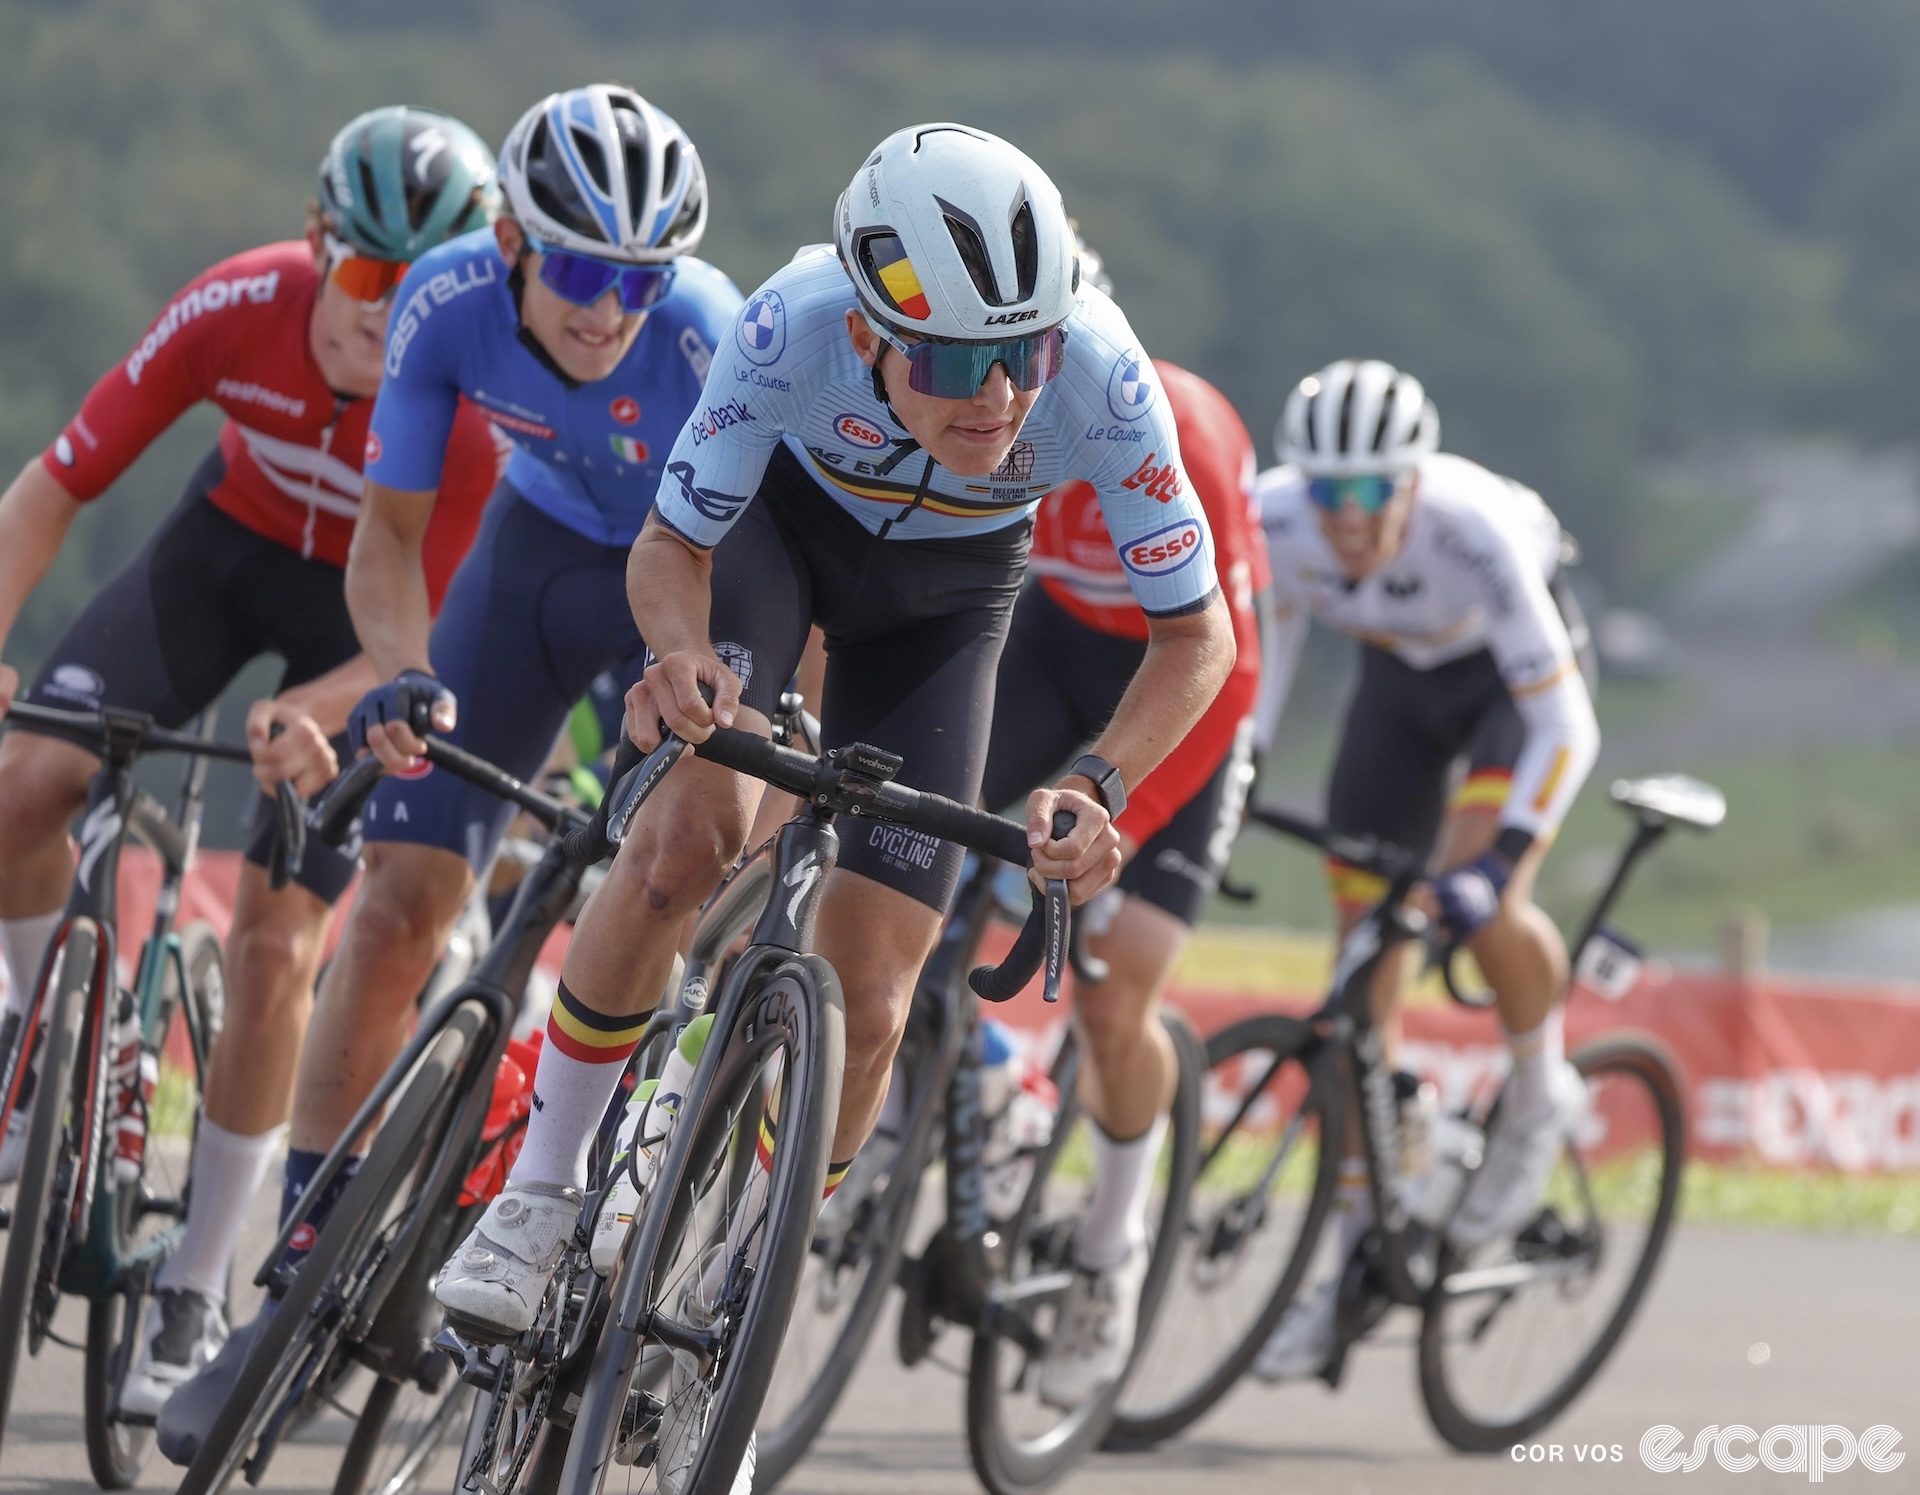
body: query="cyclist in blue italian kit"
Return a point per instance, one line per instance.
(874, 438)
(583, 328)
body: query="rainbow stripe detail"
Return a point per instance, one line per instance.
(591, 1037)
(895, 270)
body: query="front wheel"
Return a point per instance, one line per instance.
(1514, 1334)
(28, 1290)
(143, 1216)
(1269, 1162)
(710, 1263)
(1019, 1443)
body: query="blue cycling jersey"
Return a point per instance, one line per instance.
(786, 372)
(590, 455)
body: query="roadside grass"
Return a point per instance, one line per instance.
(1710, 1193)
(1810, 836)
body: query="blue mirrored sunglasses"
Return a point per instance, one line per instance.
(1368, 494)
(583, 279)
(955, 371)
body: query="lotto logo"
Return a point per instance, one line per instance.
(1166, 551)
(1161, 480)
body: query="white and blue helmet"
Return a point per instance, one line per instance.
(1357, 417)
(600, 171)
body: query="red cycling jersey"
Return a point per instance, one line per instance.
(238, 336)
(1076, 563)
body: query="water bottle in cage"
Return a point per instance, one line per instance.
(1019, 1102)
(133, 1073)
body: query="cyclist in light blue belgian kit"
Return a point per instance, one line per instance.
(872, 443)
(583, 328)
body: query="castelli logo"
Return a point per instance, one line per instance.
(626, 410)
(373, 448)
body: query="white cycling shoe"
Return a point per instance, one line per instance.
(494, 1284)
(1303, 1341)
(1504, 1192)
(180, 1336)
(1094, 1336)
(683, 1422)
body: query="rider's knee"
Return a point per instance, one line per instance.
(672, 870)
(400, 912)
(42, 783)
(268, 958)
(876, 1016)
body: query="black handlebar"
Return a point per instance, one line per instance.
(129, 734)
(330, 817)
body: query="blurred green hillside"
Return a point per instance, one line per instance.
(1599, 232)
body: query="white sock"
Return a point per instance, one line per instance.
(228, 1171)
(1116, 1217)
(25, 942)
(1352, 1209)
(1537, 1057)
(569, 1098)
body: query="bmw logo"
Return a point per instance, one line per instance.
(762, 331)
(1130, 387)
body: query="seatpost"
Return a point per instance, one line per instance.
(1646, 833)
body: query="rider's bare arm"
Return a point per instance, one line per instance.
(668, 585)
(307, 715)
(387, 581)
(35, 515)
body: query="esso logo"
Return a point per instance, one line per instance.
(373, 448)
(1165, 551)
(626, 410)
(859, 432)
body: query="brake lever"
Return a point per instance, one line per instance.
(289, 852)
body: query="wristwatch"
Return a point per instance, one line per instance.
(1106, 780)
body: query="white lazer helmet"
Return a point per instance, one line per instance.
(600, 171)
(951, 234)
(1357, 418)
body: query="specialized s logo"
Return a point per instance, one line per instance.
(720, 507)
(716, 418)
(857, 432)
(1161, 480)
(1164, 551)
(98, 831)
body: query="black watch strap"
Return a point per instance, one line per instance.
(1106, 781)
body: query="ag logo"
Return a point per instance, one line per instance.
(762, 330)
(1130, 386)
(850, 428)
(626, 410)
(1164, 551)
(373, 449)
(77, 682)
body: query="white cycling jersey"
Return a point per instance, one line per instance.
(1473, 573)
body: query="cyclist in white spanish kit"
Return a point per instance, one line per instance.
(871, 447)
(1469, 734)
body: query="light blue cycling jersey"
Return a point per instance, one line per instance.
(787, 372)
(589, 455)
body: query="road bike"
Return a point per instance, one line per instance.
(1510, 1334)
(699, 1297)
(84, 1220)
(362, 1299)
(997, 1272)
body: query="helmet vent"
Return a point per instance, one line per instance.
(972, 245)
(593, 159)
(1026, 250)
(369, 192)
(1379, 442)
(1344, 442)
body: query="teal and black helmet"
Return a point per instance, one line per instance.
(400, 180)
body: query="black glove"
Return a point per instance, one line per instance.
(409, 697)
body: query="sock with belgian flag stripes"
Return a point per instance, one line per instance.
(580, 1064)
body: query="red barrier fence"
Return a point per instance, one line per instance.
(1785, 1071)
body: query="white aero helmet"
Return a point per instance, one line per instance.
(600, 171)
(951, 234)
(1357, 418)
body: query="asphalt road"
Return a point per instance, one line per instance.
(1839, 1317)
